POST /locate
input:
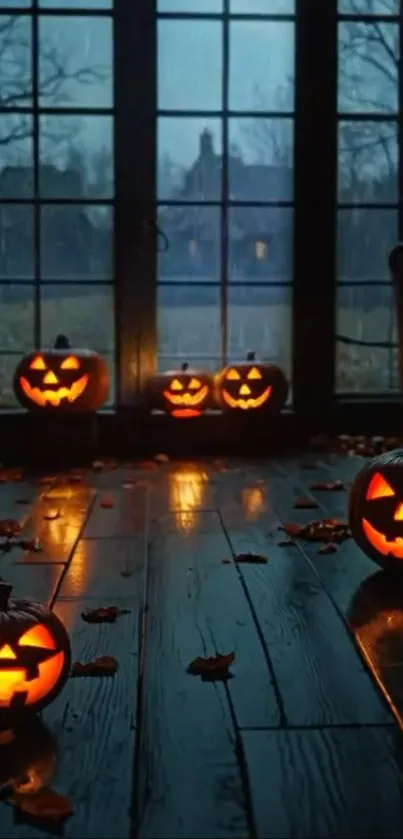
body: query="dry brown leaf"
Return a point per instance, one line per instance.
(107, 503)
(44, 804)
(323, 530)
(30, 544)
(304, 503)
(9, 527)
(327, 548)
(252, 559)
(161, 458)
(214, 667)
(285, 543)
(331, 486)
(103, 666)
(104, 614)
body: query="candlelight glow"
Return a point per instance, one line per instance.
(253, 502)
(186, 491)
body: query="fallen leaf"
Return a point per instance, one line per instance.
(51, 515)
(23, 501)
(107, 503)
(147, 464)
(285, 543)
(9, 527)
(103, 666)
(324, 530)
(30, 544)
(75, 479)
(327, 548)
(305, 503)
(255, 559)
(331, 486)
(44, 804)
(161, 458)
(226, 562)
(292, 529)
(45, 479)
(215, 667)
(104, 614)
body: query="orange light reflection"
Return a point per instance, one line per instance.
(253, 502)
(186, 492)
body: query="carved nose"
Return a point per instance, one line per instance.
(244, 390)
(399, 513)
(50, 379)
(7, 652)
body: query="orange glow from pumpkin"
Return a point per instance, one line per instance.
(381, 544)
(70, 363)
(37, 636)
(186, 495)
(186, 404)
(53, 397)
(253, 502)
(38, 363)
(378, 488)
(14, 680)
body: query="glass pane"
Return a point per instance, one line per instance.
(76, 242)
(368, 67)
(368, 162)
(8, 364)
(369, 7)
(190, 6)
(15, 61)
(84, 313)
(366, 314)
(75, 66)
(188, 326)
(260, 319)
(14, 4)
(260, 244)
(16, 317)
(16, 242)
(76, 4)
(260, 165)
(365, 238)
(187, 81)
(261, 66)
(193, 235)
(76, 155)
(16, 156)
(189, 159)
(262, 7)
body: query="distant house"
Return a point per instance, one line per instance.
(260, 238)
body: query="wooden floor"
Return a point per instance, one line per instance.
(302, 740)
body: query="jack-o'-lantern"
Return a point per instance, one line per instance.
(376, 510)
(28, 757)
(183, 393)
(62, 379)
(35, 657)
(252, 386)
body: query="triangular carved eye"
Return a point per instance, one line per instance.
(176, 385)
(379, 488)
(194, 384)
(37, 636)
(254, 373)
(37, 363)
(232, 375)
(70, 363)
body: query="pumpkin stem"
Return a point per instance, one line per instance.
(184, 367)
(5, 591)
(62, 343)
(250, 355)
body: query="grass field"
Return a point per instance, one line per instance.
(193, 333)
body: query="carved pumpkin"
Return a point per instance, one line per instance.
(62, 379)
(376, 509)
(35, 657)
(184, 393)
(28, 757)
(251, 386)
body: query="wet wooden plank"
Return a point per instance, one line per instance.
(326, 783)
(190, 783)
(105, 568)
(124, 516)
(56, 520)
(94, 720)
(320, 676)
(36, 581)
(17, 499)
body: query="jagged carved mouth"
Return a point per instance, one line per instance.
(54, 397)
(379, 541)
(15, 682)
(245, 404)
(188, 400)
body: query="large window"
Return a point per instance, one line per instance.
(56, 178)
(225, 180)
(369, 190)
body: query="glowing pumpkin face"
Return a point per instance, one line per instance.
(35, 656)
(376, 509)
(184, 393)
(250, 386)
(62, 379)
